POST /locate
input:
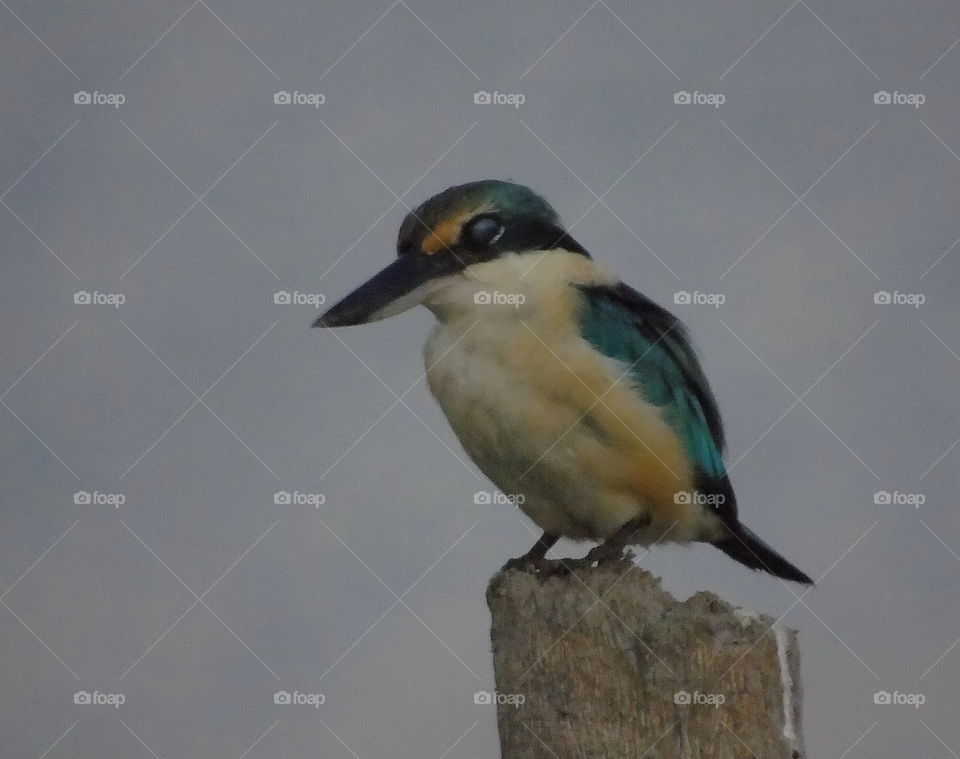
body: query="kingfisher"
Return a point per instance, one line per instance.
(572, 392)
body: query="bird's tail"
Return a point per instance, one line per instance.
(744, 546)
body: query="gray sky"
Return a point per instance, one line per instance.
(198, 398)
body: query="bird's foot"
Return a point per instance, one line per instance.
(606, 553)
(598, 556)
(542, 567)
(533, 564)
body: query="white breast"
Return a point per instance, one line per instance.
(507, 424)
(512, 377)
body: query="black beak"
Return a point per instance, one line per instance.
(402, 285)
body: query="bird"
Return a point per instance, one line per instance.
(574, 393)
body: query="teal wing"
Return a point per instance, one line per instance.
(623, 324)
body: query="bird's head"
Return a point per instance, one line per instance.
(455, 229)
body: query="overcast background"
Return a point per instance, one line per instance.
(199, 397)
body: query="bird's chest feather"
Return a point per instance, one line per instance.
(524, 406)
(496, 365)
(488, 378)
(546, 416)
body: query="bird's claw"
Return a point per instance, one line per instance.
(540, 566)
(544, 568)
(606, 553)
(526, 563)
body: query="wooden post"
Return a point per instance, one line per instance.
(607, 664)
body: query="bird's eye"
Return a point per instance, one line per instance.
(484, 230)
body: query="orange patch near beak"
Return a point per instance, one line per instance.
(444, 235)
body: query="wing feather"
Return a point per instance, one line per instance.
(625, 325)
